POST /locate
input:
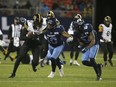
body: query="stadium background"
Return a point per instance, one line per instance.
(93, 11)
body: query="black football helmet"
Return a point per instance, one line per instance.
(38, 20)
(107, 20)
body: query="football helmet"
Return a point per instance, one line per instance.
(16, 20)
(50, 14)
(107, 19)
(78, 16)
(78, 25)
(51, 21)
(38, 20)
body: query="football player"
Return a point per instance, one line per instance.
(89, 45)
(13, 36)
(31, 42)
(54, 35)
(51, 14)
(105, 33)
(74, 44)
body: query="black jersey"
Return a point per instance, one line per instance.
(84, 36)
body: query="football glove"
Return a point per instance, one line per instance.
(84, 50)
(69, 39)
(79, 46)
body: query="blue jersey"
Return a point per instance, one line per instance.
(84, 36)
(54, 36)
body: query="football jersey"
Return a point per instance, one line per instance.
(39, 29)
(16, 30)
(106, 32)
(70, 30)
(54, 36)
(84, 37)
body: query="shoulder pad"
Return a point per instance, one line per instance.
(25, 25)
(100, 28)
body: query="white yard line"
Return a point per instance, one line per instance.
(106, 82)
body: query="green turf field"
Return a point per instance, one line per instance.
(75, 76)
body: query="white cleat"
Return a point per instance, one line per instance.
(71, 61)
(51, 75)
(61, 72)
(76, 63)
(99, 78)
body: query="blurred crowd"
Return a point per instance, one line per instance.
(68, 8)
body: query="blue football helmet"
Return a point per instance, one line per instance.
(51, 21)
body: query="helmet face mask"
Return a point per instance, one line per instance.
(51, 23)
(78, 25)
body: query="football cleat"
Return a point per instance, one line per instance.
(105, 64)
(99, 78)
(110, 61)
(12, 75)
(76, 63)
(34, 68)
(51, 75)
(71, 62)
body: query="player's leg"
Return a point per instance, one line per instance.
(10, 47)
(92, 56)
(23, 51)
(104, 48)
(110, 50)
(76, 57)
(56, 52)
(71, 44)
(35, 61)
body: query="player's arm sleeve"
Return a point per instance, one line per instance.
(10, 33)
(64, 33)
(100, 30)
(23, 34)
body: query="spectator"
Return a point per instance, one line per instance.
(17, 5)
(44, 9)
(55, 6)
(28, 5)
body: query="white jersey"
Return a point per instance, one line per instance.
(39, 29)
(16, 30)
(70, 30)
(106, 33)
(16, 33)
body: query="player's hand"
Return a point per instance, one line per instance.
(84, 50)
(69, 39)
(30, 34)
(79, 47)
